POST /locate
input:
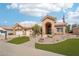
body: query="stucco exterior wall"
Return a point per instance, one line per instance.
(29, 32)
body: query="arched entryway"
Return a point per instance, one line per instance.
(48, 27)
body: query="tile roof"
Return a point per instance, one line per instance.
(1, 29)
(60, 24)
(28, 25)
(7, 27)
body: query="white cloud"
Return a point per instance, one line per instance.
(73, 17)
(28, 22)
(40, 9)
(65, 5)
(60, 20)
(14, 5)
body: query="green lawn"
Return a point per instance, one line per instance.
(68, 47)
(19, 40)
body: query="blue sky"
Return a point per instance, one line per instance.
(10, 14)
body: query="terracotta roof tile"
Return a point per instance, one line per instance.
(1, 29)
(7, 27)
(60, 24)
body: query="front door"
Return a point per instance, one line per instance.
(48, 28)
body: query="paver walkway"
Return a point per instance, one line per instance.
(26, 49)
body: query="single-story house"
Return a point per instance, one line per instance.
(3, 33)
(48, 24)
(76, 30)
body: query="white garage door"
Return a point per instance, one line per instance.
(28, 32)
(19, 33)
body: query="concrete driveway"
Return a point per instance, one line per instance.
(26, 49)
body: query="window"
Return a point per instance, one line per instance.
(59, 29)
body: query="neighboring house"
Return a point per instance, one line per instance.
(50, 26)
(9, 29)
(1, 29)
(22, 29)
(76, 30)
(3, 33)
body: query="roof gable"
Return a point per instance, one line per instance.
(49, 17)
(23, 26)
(18, 25)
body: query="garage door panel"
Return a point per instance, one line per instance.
(19, 33)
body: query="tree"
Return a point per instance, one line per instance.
(36, 29)
(68, 28)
